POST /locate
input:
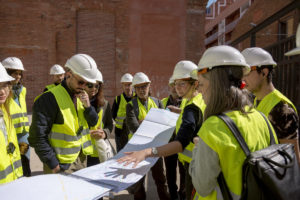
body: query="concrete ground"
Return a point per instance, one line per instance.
(37, 169)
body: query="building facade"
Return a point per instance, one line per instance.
(121, 35)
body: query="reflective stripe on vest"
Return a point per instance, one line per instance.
(19, 114)
(139, 109)
(270, 101)
(121, 114)
(186, 155)
(217, 136)
(67, 139)
(98, 125)
(10, 164)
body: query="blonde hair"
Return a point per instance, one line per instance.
(225, 94)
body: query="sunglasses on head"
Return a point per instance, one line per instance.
(253, 68)
(203, 71)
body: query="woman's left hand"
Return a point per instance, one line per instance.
(134, 157)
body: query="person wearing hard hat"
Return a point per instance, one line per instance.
(173, 103)
(136, 111)
(104, 125)
(61, 118)
(278, 108)
(58, 74)
(187, 126)
(10, 159)
(119, 111)
(18, 108)
(220, 73)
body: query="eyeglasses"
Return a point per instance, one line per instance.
(180, 84)
(142, 87)
(4, 86)
(203, 71)
(91, 85)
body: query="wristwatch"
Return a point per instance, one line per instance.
(154, 151)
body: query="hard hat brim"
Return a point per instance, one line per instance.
(7, 79)
(293, 52)
(85, 78)
(14, 68)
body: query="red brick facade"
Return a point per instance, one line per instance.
(259, 11)
(121, 35)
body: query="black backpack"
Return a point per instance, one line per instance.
(268, 174)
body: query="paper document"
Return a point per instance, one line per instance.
(94, 182)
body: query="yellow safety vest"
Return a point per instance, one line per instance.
(164, 101)
(186, 155)
(98, 125)
(270, 101)
(19, 115)
(10, 164)
(121, 114)
(215, 133)
(50, 86)
(69, 138)
(141, 111)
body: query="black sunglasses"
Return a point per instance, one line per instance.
(91, 85)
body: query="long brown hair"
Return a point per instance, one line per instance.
(225, 94)
(100, 99)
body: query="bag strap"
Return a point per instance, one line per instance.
(237, 134)
(272, 139)
(235, 131)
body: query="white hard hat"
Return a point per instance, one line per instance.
(222, 55)
(256, 56)
(183, 70)
(99, 76)
(296, 50)
(84, 66)
(4, 77)
(171, 81)
(56, 69)
(139, 78)
(13, 63)
(126, 78)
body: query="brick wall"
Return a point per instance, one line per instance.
(259, 11)
(121, 35)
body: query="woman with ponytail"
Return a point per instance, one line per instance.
(220, 73)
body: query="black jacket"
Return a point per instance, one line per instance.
(45, 113)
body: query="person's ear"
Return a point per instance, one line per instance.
(265, 72)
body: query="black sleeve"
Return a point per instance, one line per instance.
(131, 120)
(107, 120)
(115, 108)
(45, 113)
(91, 116)
(190, 125)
